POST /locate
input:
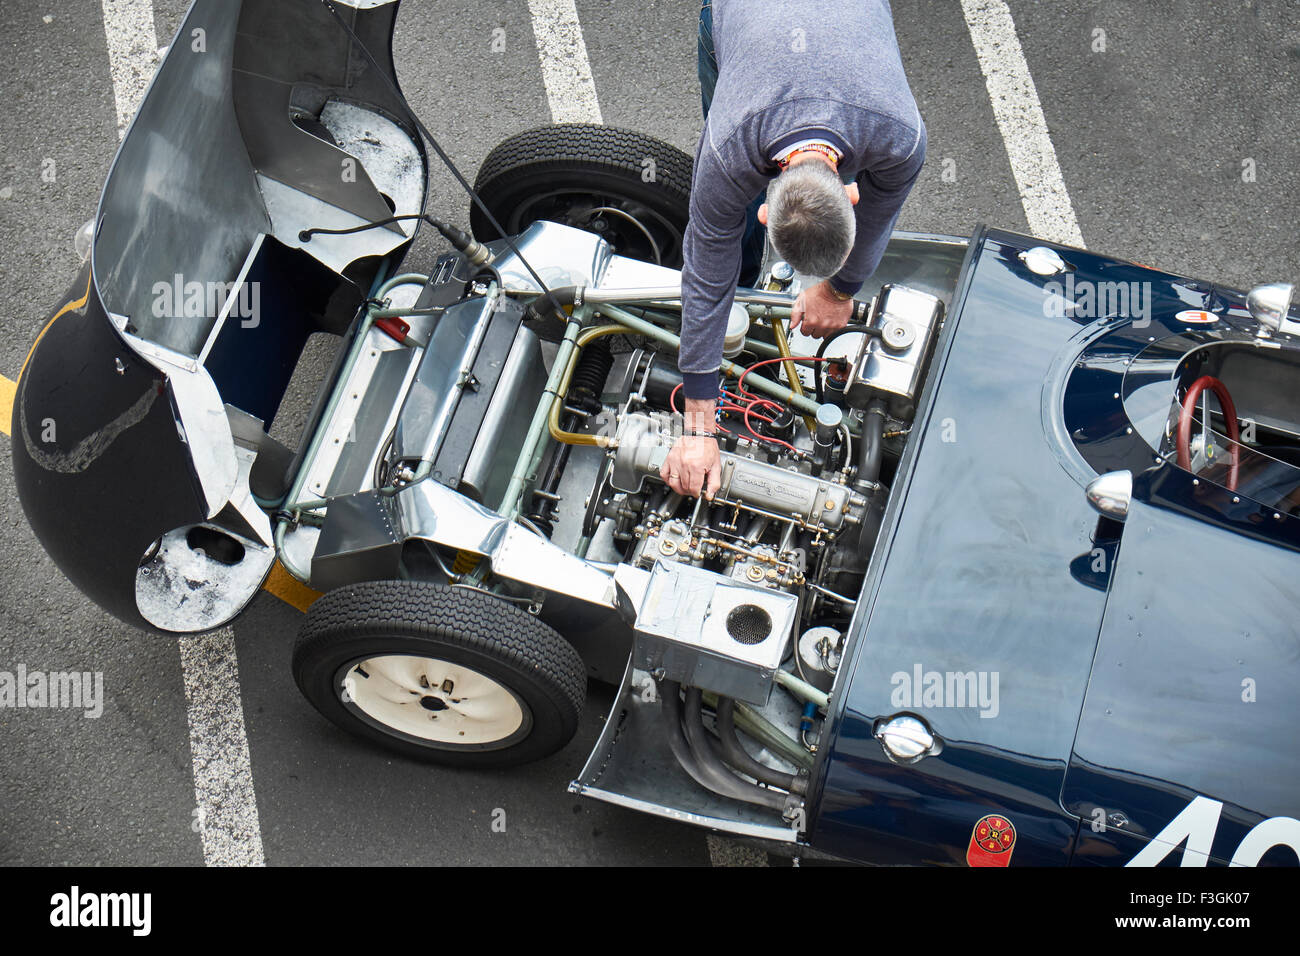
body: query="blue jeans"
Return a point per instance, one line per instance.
(754, 242)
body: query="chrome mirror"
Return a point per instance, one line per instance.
(1269, 304)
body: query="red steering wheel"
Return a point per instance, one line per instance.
(1184, 437)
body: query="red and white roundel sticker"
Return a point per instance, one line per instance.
(1196, 317)
(991, 841)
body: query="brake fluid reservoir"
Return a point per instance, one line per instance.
(737, 329)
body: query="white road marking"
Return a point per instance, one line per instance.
(227, 819)
(570, 89)
(1020, 119)
(132, 53)
(223, 777)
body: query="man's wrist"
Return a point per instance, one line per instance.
(843, 291)
(700, 416)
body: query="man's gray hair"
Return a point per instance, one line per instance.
(810, 218)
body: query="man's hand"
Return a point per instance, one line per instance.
(819, 311)
(693, 464)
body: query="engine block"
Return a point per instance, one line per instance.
(778, 491)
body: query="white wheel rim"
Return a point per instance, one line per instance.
(433, 699)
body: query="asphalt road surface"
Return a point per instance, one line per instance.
(1164, 132)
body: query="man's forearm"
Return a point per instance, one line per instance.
(711, 266)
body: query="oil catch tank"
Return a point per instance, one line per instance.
(891, 364)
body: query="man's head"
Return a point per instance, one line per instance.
(809, 215)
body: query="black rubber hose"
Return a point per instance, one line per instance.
(560, 297)
(738, 757)
(702, 747)
(699, 761)
(489, 270)
(873, 429)
(672, 710)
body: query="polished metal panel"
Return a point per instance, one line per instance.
(434, 512)
(893, 366)
(357, 543)
(561, 255)
(632, 766)
(170, 208)
(492, 459)
(355, 434)
(444, 371)
(292, 210)
(621, 272)
(708, 631)
(203, 421)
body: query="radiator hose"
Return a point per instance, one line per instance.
(872, 450)
(699, 761)
(739, 758)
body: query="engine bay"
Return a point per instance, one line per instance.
(477, 439)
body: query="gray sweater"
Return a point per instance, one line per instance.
(787, 72)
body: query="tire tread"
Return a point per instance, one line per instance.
(589, 143)
(472, 619)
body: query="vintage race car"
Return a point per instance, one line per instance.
(1006, 572)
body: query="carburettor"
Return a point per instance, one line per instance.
(755, 499)
(782, 492)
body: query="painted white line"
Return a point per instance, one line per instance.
(132, 53)
(1020, 119)
(227, 818)
(570, 89)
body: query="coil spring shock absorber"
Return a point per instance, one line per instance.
(585, 388)
(588, 381)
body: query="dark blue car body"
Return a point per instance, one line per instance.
(1142, 665)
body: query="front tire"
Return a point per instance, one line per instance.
(442, 674)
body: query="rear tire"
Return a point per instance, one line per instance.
(574, 173)
(443, 674)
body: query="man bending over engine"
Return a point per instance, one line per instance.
(800, 97)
